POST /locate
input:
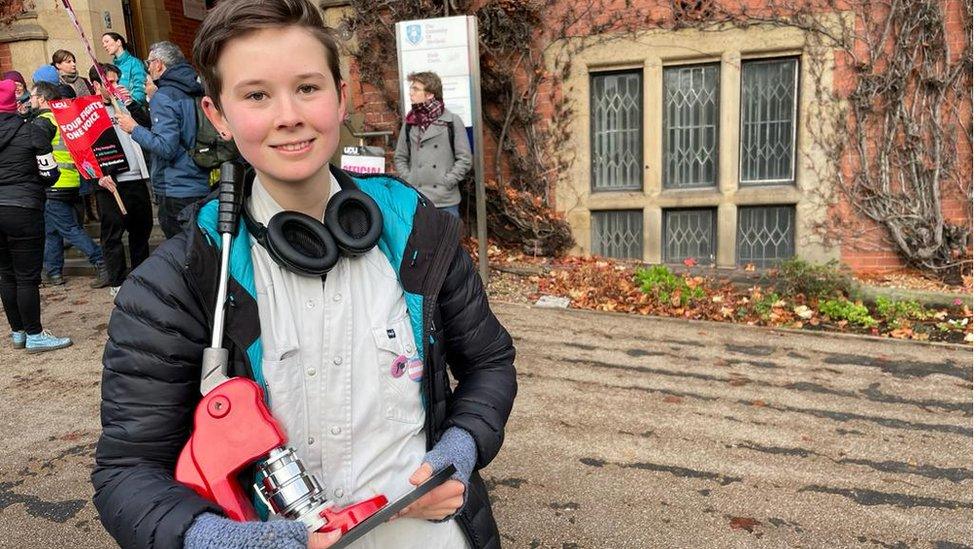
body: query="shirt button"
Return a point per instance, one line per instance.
(336, 431)
(311, 371)
(337, 297)
(337, 360)
(338, 492)
(311, 441)
(309, 304)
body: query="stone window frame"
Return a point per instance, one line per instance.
(653, 50)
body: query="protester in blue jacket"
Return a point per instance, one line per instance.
(133, 76)
(176, 179)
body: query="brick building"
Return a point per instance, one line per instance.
(701, 143)
(689, 143)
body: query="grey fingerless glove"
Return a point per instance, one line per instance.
(456, 446)
(210, 531)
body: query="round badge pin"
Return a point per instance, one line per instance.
(415, 369)
(398, 366)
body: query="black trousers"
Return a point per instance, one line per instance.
(169, 211)
(21, 258)
(138, 223)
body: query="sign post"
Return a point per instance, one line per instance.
(448, 46)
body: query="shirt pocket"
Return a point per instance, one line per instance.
(400, 371)
(286, 391)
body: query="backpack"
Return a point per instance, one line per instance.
(209, 149)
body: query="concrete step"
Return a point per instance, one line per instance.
(76, 263)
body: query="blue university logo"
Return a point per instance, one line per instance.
(414, 35)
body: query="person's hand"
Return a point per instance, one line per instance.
(106, 182)
(322, 541)
(127, 123)
(122, 91)
(439, 503)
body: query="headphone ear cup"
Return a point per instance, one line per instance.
(355, 221)
(301, 243)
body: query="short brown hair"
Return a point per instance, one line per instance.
(235, 18)
(430, 81)
(61, 56)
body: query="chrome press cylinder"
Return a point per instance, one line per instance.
(289, 490)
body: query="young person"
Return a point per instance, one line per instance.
(64, 62)
(26, 167)
(354, 360)
(133, 75)
(132, 186)
(425, 155)
(60, 220)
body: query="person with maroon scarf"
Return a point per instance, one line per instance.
(433, 153)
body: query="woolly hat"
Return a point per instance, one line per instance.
(8, 97)
(46, 73)
(14, 76)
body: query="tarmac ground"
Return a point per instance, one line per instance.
(627, 432)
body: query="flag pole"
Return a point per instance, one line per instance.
(114, 95)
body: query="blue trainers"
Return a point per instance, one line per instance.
(19, 339)
(46, 341)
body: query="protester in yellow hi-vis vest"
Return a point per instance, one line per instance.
(60, 221)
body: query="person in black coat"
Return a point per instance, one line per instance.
(27, 167)
(399, 315)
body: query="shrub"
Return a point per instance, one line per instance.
(660, 282)
(824, 281)
(842, 309)
(893, 311)
(764, 305)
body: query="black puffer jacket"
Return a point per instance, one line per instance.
(21, 143)
(162, 322)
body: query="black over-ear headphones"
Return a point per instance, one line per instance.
(309, 247)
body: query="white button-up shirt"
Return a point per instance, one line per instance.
(337, 361)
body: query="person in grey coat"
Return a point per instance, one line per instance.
(425, 155)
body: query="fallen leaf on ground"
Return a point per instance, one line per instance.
(744, 523)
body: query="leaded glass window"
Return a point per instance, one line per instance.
(617, 233)
(616, 119)
(767, 139)
(765, 235)
(689, 234)
(691, 99)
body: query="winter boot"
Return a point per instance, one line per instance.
(102, 278)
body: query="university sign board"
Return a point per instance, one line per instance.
(442, 46)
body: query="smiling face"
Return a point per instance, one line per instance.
(283, 111)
